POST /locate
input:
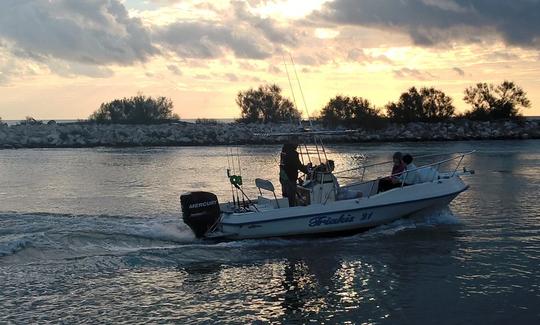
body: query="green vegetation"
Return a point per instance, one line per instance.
(351, 111)
(428, 105)
(135, 110)
(495, 102)
(266, 105)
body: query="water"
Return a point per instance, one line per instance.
(94, 235)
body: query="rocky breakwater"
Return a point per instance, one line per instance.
(77, 135)
(452, 131)
(73, 135)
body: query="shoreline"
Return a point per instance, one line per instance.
(87, 135)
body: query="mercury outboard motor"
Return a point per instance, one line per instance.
(200, 211)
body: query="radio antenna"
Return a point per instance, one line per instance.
(301, 92)
(292, 89)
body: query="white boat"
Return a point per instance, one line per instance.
(327, 208)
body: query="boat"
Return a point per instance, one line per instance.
(326, 208)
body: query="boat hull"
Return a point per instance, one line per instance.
(339, 217)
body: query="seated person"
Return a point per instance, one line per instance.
(341, 193)
(410, 176)
(393, 180)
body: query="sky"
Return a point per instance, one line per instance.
(60, 59)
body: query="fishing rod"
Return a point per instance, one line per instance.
(240, 172)
(292, 90)
(301, 91)
(234, 175)
(228, 173)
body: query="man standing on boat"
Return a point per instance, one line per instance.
(289, 166)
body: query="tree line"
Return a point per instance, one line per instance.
(266, 104)
(427, 104)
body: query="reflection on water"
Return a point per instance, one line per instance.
(93, 235)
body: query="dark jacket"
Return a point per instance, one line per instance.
(397, 170)
(290, 162)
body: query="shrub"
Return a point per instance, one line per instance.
(350, 111)
(428, 104)
(135, 110)
(266, 105)
(495, 102)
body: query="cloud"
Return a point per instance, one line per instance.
(268, 27)
(361, 56)
(208, 40)
(87, 32)
(72, 36)
(174, 69)
(501, 56)
(73, 69)
(459, 71)
(434, 22)
(239, 31)
(274, 69)
(231, 77)
(407, 73)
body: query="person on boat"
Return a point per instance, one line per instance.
(289, 166)
(393, 180)
(410, 176)
(341, 193)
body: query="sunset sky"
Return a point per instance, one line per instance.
(60, 59)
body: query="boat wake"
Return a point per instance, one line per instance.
(52, 237)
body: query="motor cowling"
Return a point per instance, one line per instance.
(200, 211)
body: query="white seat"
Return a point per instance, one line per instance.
(272, 203)
(268, 186)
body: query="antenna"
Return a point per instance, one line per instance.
(290, 85)
(301, 92)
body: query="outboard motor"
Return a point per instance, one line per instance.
(200, 211)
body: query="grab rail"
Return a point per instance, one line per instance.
(461, 156)
(364, 167)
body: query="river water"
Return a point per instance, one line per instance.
(95, 235)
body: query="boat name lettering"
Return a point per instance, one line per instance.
(325, 220)
(202, 204)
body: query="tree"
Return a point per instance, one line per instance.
(137, 110)
(266, 105)
(495, 102)
(428, 104)
(350, 111)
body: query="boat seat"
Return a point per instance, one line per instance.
(272, 203)
(264, 184)
(360, 190)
